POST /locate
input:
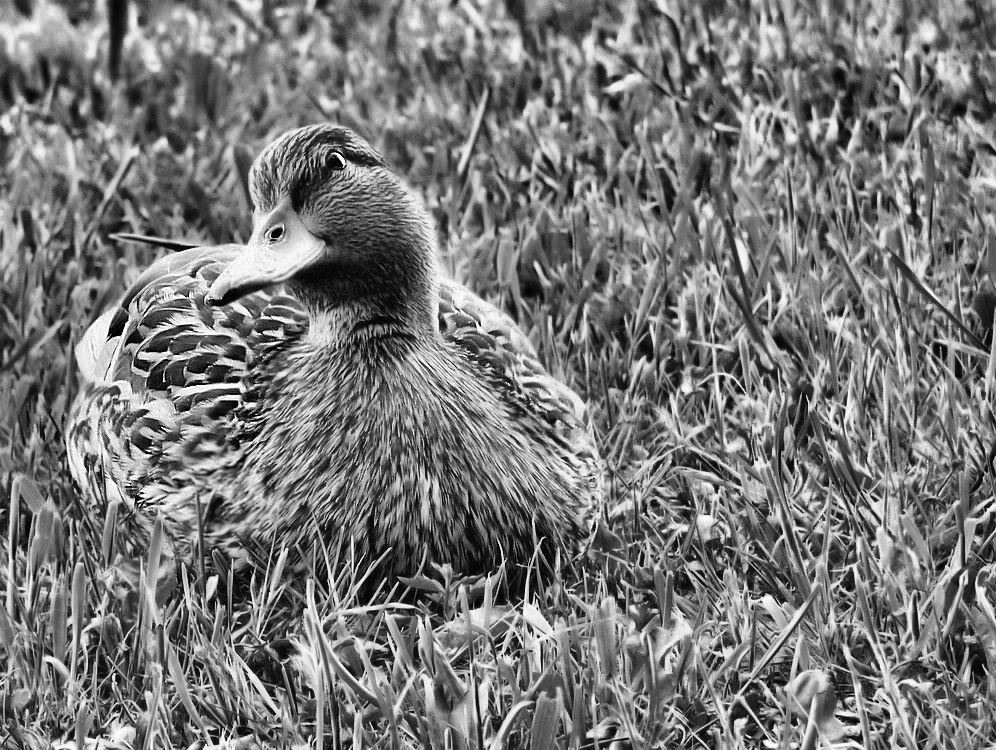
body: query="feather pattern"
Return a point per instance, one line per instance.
(234, 411)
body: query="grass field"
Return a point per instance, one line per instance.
(758, 237)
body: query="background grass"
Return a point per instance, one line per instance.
(758, 237)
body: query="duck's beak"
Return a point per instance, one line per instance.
(281, 246)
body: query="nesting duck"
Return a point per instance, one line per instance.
(325, 382)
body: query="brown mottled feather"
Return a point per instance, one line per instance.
(166, 414)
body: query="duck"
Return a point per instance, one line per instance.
(326, 383)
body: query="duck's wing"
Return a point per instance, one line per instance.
(493, 338)
(162, 375)
(500, 348)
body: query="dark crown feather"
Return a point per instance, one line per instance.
(298, 162)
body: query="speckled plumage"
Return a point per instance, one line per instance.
(363, 398)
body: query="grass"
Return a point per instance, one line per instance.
(759, 238)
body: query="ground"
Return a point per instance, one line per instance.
(757, 237)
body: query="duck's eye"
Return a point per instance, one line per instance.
(336, 161)
(275, 233)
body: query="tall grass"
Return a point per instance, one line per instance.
(758, 237)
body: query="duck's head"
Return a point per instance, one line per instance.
(333, 222)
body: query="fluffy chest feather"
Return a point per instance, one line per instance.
(399, 448)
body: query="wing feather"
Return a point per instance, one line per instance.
(503, 352)
(499, 346)
(162, 378)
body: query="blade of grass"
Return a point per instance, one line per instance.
(146, 239)
(782, 638)
(929, 295)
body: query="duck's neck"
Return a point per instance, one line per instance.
(344, 313)
(347, 326)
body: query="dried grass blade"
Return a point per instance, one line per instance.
(545, 720)
(779, 642)
(911, 277)
(475, 132)
(109, 193)
(145, 239)
(180, 685)
(58, 618)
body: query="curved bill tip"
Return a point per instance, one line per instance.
(212, 299)
(223, 291)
